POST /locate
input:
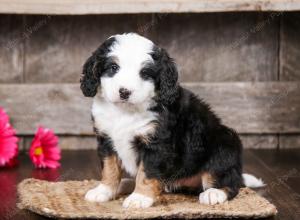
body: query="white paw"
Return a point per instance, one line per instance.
(136, 200)
(102, 193)
(212, 196)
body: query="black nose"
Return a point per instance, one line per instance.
(124, 93)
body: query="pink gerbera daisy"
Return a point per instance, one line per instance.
(44, 151)
(8, 141)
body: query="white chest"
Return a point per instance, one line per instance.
(122, 124)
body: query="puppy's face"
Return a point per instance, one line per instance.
(129, 68)
(122, 79)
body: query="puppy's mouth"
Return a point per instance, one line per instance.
(123, 103)
(127, 106)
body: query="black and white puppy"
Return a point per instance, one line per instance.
(157, 131)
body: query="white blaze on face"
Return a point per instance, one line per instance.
(132, 52)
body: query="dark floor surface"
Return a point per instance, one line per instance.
(280, 169)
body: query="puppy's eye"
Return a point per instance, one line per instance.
(144, 71)
(114, 67)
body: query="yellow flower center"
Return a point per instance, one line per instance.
(38, 151)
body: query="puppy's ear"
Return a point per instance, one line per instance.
(90, 79)
(93, 68)
(168, 77)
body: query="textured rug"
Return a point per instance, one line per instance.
(66, 200)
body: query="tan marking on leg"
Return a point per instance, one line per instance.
(207, 180)
(148, 187)
(204, 179)
(111, 172)
(193, 181)
(110, 180)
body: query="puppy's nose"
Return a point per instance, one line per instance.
(124, 93)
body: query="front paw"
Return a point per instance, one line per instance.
(136, 200)
(102, 193)
(212, 196)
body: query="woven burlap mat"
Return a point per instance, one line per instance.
(66, 200)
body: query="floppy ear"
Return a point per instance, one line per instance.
(168, 77)
(93, 68)
(90, 79)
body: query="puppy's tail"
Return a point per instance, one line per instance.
(252, 182)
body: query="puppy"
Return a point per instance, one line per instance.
(155, 130)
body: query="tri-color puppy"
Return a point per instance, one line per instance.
(157, 131)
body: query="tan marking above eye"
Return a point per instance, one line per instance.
(115, 59)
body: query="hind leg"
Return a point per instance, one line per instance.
(225, 167)
(221, 188)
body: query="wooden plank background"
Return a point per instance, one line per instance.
(12, 49)
(290, 47)
(226, 47)
(247, 107)
(244, 64)
(77, 7)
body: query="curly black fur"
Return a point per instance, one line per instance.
(189, 137)
(92, 69)
(167, 87)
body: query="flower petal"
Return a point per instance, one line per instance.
(48, 153)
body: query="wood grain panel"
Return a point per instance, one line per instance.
(271, 107)
(76, 142)
(11, 49)
(58, 48)
(257, 141)
(207, 47)
(69, 142)
(290, 47)
(142, 6)
(289, 141)
(277, 189)
(21, 143)
(284, 163)
(222, 47)
(247, 107)
(61, 107)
